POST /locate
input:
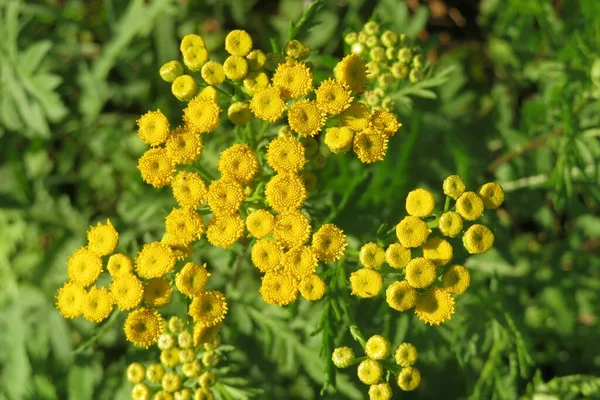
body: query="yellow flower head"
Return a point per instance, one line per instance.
(171, 382)
(119, 264)
(293, 79)
(238, 43)
(84, 267)
(191, 370)
(342, 357)
(305, 118)
(370, 146)
(201, 115)
(127, 291)
(192, 279)
(470, 206)
(213, 73)
(225, 196)
(450, 224)
(155, 260)
(239, 162)
(70, 299)
(339, 139)
(156, 167)
(171, 71)
(456, 279)
(492, 195)
(453, 186)
(412, 231)
(301, 261)
(155, 372)
(371, 255)
(239, 113)
(184, 226)
(184, 87)
(370, 372)
(420, 203)
(267, 104)
(366, 282)
(312, 287)
(378, 347)
(166, 341)
(191, 40)
(203, 394)
(286, 154)
(140, 391)
(438, 250)
(420, 272)
(208, 308)
(136, 373)
(195, 57)
(356, 117)
(189, 190)
(285, 192)
(185, 340)
(434, 306)
(296, 49)
(279, 287)
(210, 93)
(260, 223)
(409, 379)
(406, 355)
(176, 324)
(157, 292)
(256, 81)
(352, 72)
(385, 121)
(291, 229)
(401, 296)
(478, 239)
(224, 230)
(153, 128)
(235, 67)
(380, 391)
(143, 327)
(329, 243)
(256, 60)
(332, 97)
(266, 254)
(207, 379)
(184, 146)
(97, 304)
(397, 256)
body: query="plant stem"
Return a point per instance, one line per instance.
(99, 333)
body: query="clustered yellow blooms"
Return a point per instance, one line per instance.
(188, 365)
(421, 257)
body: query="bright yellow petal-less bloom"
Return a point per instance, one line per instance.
(380, 391)
(119, 264)
(158, 292)
(409, 378)
(239, 113)
(213, 73)
(156, 167)
(195, 57)
(260, 223)
(224, 230)
(406, 355)
(84, 266)
(190, 41)
(339, 139)
(371, 255)
(184, 146)
(377, 347)
(98, 303)
(155, 372)
(69, 300)
(184, 88)
(329, 243)
(478, 239)
(370, 146)
(266, 254)
(492, 195)
(453, 186)
(438, 250)
(238, 162)
(292, 228)
(286, 154)
(312, 287)
(254, 82)
(279, 287)
(401, 296)
(342, 357)
(184, 226)
(412, 232)
(235, 68)
(356, 117)
(153, 128)
(420, 272)
(301, 261)
(420, 203)
(267, 104)
(127, 291)
(136, 373)
(143, 327)
(192, 279)
(470, 206)
(456, 279)
(332, 97)
(189, 190)
(201, 115)
(155, 260)
(370, 372)
(256, 60)
(450, 224)
(385, 121)
(366, 282)
(225, 196)
(208, 308)
(397, 256)
(293, 79)
(434, 306)
(352, 72)
(305, 118)
(285, 192)
(238, 42)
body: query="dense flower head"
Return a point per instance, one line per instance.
(385, 121)
(380, 391)
(156, 167)
(456, 279)
(158, 292)
(127, 291)
(370, 145)
(201, 115)
(184, 87)
(371, 255)
(397, 256)
(478, 239)
(342, 357)
(238, 42)
(279, 287)
(256, 59)
(406, 355)
(339, 139)
(98, 303)
(412, 231)
(184, 146)
(119, 264)
(401, 296)
(208, 308)
(420, 272)
(239, 113)
(370, 372)
(69, 300)
(84, 266)
(238, 162)
(470, 206)
(377, 347)
(420, 203)
(225, 196)
(453, 186)
(434, 306)
(329, 243)
(194, 57)
(409, 378)
(102, 238)
(312, 287)
(285, 192)
(143, 327)
(366, 282)
(301, 261)
(305, 118)
(254, 82)
(235, 68)
(224, 230)
(450, 224)
(438, 250)
(266, 254)
(332, 97)
(492, 195)
(352, 72)
(136, 372)
(155, 260)
(292, 228)
(267, 104)
(189, 190)
(153, 128)
(356, 117)
(286, 154)
(293, 79)
(213, 73)
(184, 225)
(260, 223)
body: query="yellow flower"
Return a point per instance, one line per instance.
(213, 73)
(191, 40)
(184, 394)
(184, 226)
(332, 97)
(208, 308)
(406, 355)
(293, 79)
(329, 243)
(366, 282)
(267, 104)
(454, 186)
(370, 146)
(478, 239)
(285, 192)
(279, 287)
(342, 357)
(70, 299)
(192, 369)
(256, 60)
(401, 296)
(492, 195)
(438, 250)
(397, 256)
(296, 50)
(371, 255)
(153, 128)
(184, 146)
(189, 190)
(301, 261)
(312, 287)
(291, 229)
(260, 223)
(136, 373)
(155, 260)
(157, 292)
(456, 279)
(171, 382)
(185, 340)
(171, 70)
(239, 113)
(238, 42)
(119, 264)
(184, 87)
(192, 279)
(339, 139)
(235, 67)
(239, 162)
(420, 272)
(209, 93)
(370, 372)
(470, 206)
(256, 81)
(412, 232)
(224, 230)
(380, 391)
(356, 117)
(286, 154)
(155, 372)
(156, 167)
(352, 72)
(127, 291)
(176, 324)
(166, 341)
(201, 115)
(143, 327)
(305, 118)
(195, 57)
(434, 306)
(409, 379)
(450, 224)
(140, 392)
(420, 203)
(97, 304)
(169, 357)
(385, 121)
(225, 196)
(207, 379)
(203, 394)
(378, 347)
(84, 267)
(266, 254)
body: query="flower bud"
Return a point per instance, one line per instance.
(350, 38)
(389, 39)
(184, 88)
(404, 55)
(371, 28)
(415, 76)
(239, 113)
(171, 71)
(296, 49)
(377, 54)
(342, 357)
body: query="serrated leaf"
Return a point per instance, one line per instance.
(30, 59)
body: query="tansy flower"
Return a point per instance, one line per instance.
(213, 73)
(279, 287)
(201, 115)
(286, 154)
(235, 68)
(305, 118)
(453, 186)
(370, 372)
(370, 146)
(356, 117)
(267, 104)
(329, 243)
(208, 308)
(256, 81)
(332, 97)
(377, 347)
(224, 230)
(342, 357)
(434, 306)
(171, 382)
(456, 279)
(157, 292)
(97, 304)
(185, 340)
(450, 224)
(190, 41)
(260, 223)
(156, 167)
(184, 225)
(397, 256)
(136, 373)
(166, 341)
(385, 121)
(187, 355)
(119, 264)
(155, 372)
(207, 379)
(155, 260)
(239, 113)
(238, 162)
(420, 272)
(401, 296)
(184, 146)
(143, 327)
(412, 231)
(380, 391)
(351, 72)
(225, 196)
(127, 291)
(291, 229)
(293, 79)
(180, 251)
(438, 250)
(406, 355)
(339, 139)
(478, 239)
(184, 87)
(69, 300)
(176, 324)
(256, 60)
(238, 42)
(470, 206)
(419, 203)
(312, 287)
(153, 128)
(285, 192)
(366, 282)
(195, 57)
(140, 391)
(170, 71)
(301, 261)
(189, 190)
(192, 279)
(371, 255)
(409, 379)
(84, 267)
(492, 195)
(296, 49)
(266, 254)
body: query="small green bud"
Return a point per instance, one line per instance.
(343, 357)
(350, 38)
(372, 99)
(372, 41)
(418, 62)
(389, 39)
(399, 70)
(284, 131)
(415, 76)
(378, 92)
(377, 54)
(296, 49)
(371, 28)
(390, 53)
(385, 80)
(207, 379)
(387, 103)
(404, 55)
(373, 70)
(362, 37)
(171, 71)
(210, 358)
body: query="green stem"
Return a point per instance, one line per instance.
(447, 204)
(99, 333)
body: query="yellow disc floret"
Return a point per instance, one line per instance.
(156, 167)
(266, 254)
(377, 347)
(301, 261)
(454, 186)
(285, 192)
(352, 72)
(267, 104)
(492, 195)
(153, 128)
(312, 287)
(366, 282)
(279, 287)
(380, 391)
(189, 190)
(225, 196)
(157, 292)
(401, 296)
(397, 256)
(213, 73)
(224, 230)
(239, 162)
(329, 243)
(478, 239)
(339, 139)
(119, 264)
(184, 146)
(434, 306)
(420, 203)
(371, 255)
(127, 291)
(332, 97)
(456, 279)
(143, 327)
(97, 304)
(356, 117)
(194, 57)
(370, 372)
(208, 308)
(438, 250)
(235, 68)
(192, 279)
(409, 379)
(291, 229)
(420, 272)
(84, 266)
(385, 121)
(305, 118)
(370, 145)
(450, 224)
(201, 115)
(286, 154)
(155, 260)
(184, 87)
(470, 206)
(238, 42)
(184, 226)
(70, 299)
(293, 79)
(412, 232)
(406, 355)
(260, 223)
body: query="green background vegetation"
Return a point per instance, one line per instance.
(520, 104)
